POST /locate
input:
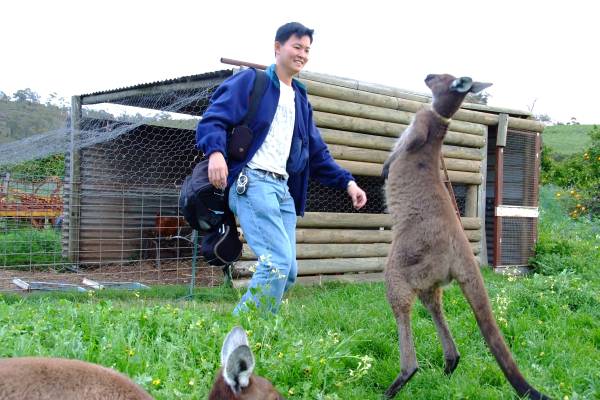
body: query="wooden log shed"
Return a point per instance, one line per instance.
(492, 157)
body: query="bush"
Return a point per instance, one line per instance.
(36, 170)
(564, 245)
(578, 175)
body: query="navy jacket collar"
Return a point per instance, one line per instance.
(273, 76)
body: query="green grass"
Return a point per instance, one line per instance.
(566, 245)
(567, 139)
(28, 246)
(337, 341)
(322, 334)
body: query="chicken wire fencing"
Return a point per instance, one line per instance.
(109, 213)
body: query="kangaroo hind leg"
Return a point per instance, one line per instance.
(432, 300)
(402, 301)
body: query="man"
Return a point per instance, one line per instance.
(286, 150)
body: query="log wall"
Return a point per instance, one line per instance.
(361, 122)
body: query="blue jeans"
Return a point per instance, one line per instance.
(267, 217)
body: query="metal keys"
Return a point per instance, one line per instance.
(242, 183)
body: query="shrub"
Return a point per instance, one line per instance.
(579, 176)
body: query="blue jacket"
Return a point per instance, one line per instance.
(309, 156)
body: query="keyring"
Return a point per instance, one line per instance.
(242, 184)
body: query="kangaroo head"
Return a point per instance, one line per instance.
(449, 92)
(235, 379)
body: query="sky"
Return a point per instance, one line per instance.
(539, 55)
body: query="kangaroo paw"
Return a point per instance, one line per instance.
(451, 365)
(400, 381)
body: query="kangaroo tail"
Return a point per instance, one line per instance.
(474, 291)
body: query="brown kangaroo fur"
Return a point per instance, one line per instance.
(38, 378)
(429, 247)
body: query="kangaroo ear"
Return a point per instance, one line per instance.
(235, 338)
(461, 85)
(238, 368)
(479, 86)
(237, 359)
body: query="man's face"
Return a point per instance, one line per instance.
(293, 54)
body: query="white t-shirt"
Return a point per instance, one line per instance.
(272, 155)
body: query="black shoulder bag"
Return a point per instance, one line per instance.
(205, 207)
(240, 137)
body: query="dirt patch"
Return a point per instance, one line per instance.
(170, 272)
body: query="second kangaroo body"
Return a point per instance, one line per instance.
(429, 248)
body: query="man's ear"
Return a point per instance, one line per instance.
(479, 86)
(277, 47)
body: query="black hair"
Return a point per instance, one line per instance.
(293, 28)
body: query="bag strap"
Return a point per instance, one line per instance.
(260, 82)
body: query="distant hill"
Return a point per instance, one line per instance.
(567, 139)
(21, 119)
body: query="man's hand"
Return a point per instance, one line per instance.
(217, 170)
(358, 196)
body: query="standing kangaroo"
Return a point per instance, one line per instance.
(429, 247)
(38, 378)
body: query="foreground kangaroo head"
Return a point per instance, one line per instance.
(235, 380)
(429, 247)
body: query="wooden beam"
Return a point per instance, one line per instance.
(360, 220)
(353, 109)
(471, 201)
(331, 250)
(376, 142)
(390, 129)
(343, 236)
(502, 130)
(397, 99)
(359, 235)
(369, 277)
(331, 265)
(374, 169)
(340, 152)
(73, 185)
(481, 199)
(324, 266)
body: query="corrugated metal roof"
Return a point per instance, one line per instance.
(191, 78)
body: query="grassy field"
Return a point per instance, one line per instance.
(22, 247)
(567, 139)
(337, 341)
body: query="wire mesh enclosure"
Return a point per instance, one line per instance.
(521, 168)
(519, 235)
(516, 199)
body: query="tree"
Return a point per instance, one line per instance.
(545, 118)
(51, 99)
(3, 96)
(27, 95)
